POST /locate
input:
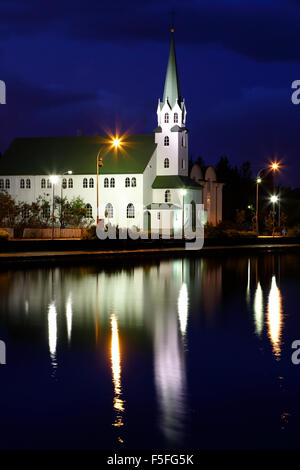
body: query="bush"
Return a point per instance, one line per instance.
(4, 236)
(232, 233)
(89, 233)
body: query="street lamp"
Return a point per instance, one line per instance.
(116, 142)
(69, 172)
(183, 192)
(274, 167)
(274, 199)
(53, 180)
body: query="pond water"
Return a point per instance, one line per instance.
(180, 353)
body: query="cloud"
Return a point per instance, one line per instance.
(264, 30)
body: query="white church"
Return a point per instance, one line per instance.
(143, 181)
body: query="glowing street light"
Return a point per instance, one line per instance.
(273, 166)
(274, 199)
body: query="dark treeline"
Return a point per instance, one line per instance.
(239, 195)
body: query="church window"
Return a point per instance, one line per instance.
(106, 183)
(158, 216)
(112, 182)
(166, 117)
(43, 183)
(85, 182)
(183, 164)
(130, 211)
(89, 211)
(133, 182)
(109, 211)
(1, 184)
(127, 183)
(22, 184)
(167, 195)
(70, 183)
(166, 141)
(91, 183)
(166, 163)
(176, 118)
(28, 183)
(49, 184)
(64, 183)
(7, 184)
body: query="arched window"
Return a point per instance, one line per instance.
(91, 183)
(28, 183)
(43, 183)
(109, 211)
(176, 118)
(166, 117)
(70, 183)
(166, 141)
(49, 184)
(133, 182)
(167, 195)
(22, 183)
(106, 183)
(166, 163)
(89, 212)
(7, 184)
(130, 211)
(112, 182)
(127, 182)
(85, 183)
(1, 184)
(64, 183)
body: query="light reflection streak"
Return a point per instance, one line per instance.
(69, 315)
(275, 318)
(118, 403)
(52, 334)
(258, 310)
(248, 282)
(169, 369)
(182, 305)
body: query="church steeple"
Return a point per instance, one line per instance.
(171, 89)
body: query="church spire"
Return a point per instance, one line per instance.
(171, 89)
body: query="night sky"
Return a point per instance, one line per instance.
(92, 66)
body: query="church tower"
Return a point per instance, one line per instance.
(171, 134)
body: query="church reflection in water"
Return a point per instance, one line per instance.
(157, 301)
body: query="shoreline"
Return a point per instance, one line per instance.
(85, 255)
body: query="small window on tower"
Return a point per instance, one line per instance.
(166, 117)
(166, 163)
(166, 141)
(85, 182)
(183, 164)
(176, 118)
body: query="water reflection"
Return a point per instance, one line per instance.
(183, 308)
(258, 310)
(116, 372)
(275, 317)
(52, 335)
(69, 315)
(161, 309)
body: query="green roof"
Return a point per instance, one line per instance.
(171, 89)
(175, 181)
(55, 155)
(162, 206)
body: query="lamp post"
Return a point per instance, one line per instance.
(116, 142)
(69, 172)
(53, 180)
(274, 199)
(183, 192)
(274, 167)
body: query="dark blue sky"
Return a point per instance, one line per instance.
(91, 65)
